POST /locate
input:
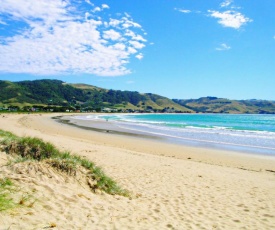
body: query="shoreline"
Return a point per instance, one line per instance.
(100, 126)
(47, 123)
(212, 141)
(176, 187)
(199, 151)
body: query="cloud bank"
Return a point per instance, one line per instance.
(66, 36)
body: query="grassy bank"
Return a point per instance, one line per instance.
(26, 149)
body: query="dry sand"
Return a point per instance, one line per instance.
(212, 190)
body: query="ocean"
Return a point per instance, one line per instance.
(247, 133)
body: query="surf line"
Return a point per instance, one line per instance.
(207, 141)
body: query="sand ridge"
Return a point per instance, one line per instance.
(170, 193)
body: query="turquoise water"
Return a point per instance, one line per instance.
(252, 133)
(234, 122)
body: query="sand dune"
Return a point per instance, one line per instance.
(169, 191)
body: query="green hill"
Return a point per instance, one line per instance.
(55, 95)
(47, 94)
(221, 105)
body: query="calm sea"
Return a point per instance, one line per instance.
(249, 133)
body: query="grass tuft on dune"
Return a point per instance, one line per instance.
(5, 188)
(35, 149)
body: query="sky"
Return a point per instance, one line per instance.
(175, 48)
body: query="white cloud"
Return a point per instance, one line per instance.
(89, 2)
(48, 11)
(58, 38)
(119, 46)
(226, 3)
(139, 56)
(96, 9)
(183, 10)
(230, 18)
(131, 50)
(223, 47)
(136, 44)
(130, 82)
(114, 22)
(134, 36)
(128, 23)
(105, 6)
(139, 38)
(111, 34)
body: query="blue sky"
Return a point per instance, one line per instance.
(175, 48)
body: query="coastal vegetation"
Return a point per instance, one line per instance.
(6, 186)
(31, 150)
(58, 96)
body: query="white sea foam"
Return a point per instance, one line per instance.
(203, 128)
(197, 139)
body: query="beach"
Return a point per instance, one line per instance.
(173, 186)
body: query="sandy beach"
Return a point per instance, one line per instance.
(172, 186)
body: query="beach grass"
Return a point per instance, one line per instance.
(6, 134)
(35, 149)
(5, 189)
